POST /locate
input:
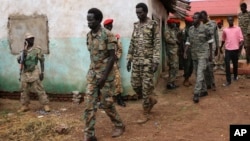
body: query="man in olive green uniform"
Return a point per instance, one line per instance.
(171, 51)
(31, 75)
(101, 45)
(108, 24)
(188, 62)
(144, 54)
(200, 40)
(209, 75)
(244, 24)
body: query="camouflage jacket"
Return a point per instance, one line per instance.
(145, 43)
(198, 40)
(214, 31)
(98, 45)
(244, 22)
(170, 38)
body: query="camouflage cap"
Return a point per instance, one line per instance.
(28, 35)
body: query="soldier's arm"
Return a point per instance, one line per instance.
(156, 51)
(168, 38)
(216, 37)
(119, 50)
(131, 48)
(41, 60)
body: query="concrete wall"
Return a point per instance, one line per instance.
(67, 63)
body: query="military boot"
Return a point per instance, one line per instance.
(145, 116)
(186, 82)
(46, 108)
(152, 101)
(120, 100)
(118, 131)
(24, 108)
(196, 98)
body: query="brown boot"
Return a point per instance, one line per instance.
(46, 108)
(24, 108)
(153, 101)
(118, 131)
(186, 82)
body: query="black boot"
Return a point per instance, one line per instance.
(196, 98)
(120, 100)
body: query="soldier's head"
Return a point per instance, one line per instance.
(220, 24)
(141, 11)
(94, 18)
(29, 40)
(204, 16)
(108, 24)
(230, 20)
(243, 7)
(197, 18)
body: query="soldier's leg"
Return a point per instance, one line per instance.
(110, 110)
(90, 110)
(43, 98)
(136, 81)
(188, 69)
(118, 87)
(173, 68)
(24, 97)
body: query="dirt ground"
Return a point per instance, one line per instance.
(174, 118)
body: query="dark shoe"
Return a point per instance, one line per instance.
(209, 86)
(203, 94)
(196, 98)
(118, 131)
(227, 84)
(213, 87)
(120, 100)
(171, 86)
(236, 78)
(92, 138)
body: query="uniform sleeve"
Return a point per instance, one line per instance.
(168, 38)
(119, 49)
(209, 33)
(216, 35)
(111, 41)
(240, 35)
(156, 51)
(131, 47)
(40, 55)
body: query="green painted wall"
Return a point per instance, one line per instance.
(65, 67)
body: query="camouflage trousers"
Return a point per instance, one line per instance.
(35, 86)
(247, 47)
(200, 66)
(173, 63)
(188, 65)
(91, 106)
(209, 73)
(117, 81)
(142, 82)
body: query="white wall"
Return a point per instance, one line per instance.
(67, 18)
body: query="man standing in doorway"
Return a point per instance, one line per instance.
(101, 45)
(144, 53)
(108, 24)
(233, 39)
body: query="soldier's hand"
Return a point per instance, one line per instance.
(154, 67)
(129, 66)
(41, 76)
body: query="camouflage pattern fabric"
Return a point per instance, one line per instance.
(118, 81)
(209, 75)
(198, 39)
(171, 51)
(30, 81)
(144, 50)
(219, 59)
(98, 45)
(244, 24)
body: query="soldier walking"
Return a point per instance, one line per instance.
(144, 54)
(101, 45)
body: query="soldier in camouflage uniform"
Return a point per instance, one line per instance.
(31, 75)
(200, 39)
(108, 24)
(144, 54)
(244, 24)
(188, 62)
(171, 49)
(209, 75)
(101, 45)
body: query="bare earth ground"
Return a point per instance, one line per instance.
(174, 118)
